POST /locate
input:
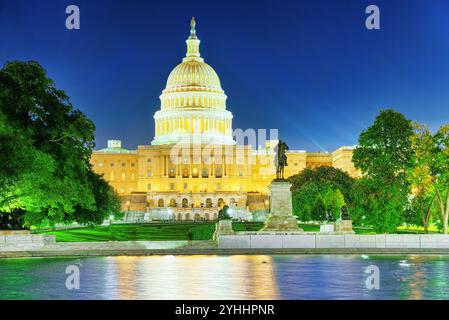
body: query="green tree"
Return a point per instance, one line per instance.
(337, 178)
(332, 200)
(384, 151)
(304, 201)
(107, 202)
(45, 150)
(384, 155)
(421, 211)
(24, 176)
(430, 174)
(317, 201)
(376, 206)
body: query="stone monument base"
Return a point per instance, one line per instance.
(344, 226)
(328, 227)
(281, 223)
(281, 217)
(223, 227)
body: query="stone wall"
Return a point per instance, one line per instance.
(23, 240)
(308, 241)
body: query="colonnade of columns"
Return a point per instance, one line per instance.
(193, 125)
(177, 169)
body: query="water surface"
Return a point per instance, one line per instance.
(227, 277)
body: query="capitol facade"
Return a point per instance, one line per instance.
(196, 162)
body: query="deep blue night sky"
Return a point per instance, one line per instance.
(309, 68)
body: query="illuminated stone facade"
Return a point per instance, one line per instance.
(193, 166)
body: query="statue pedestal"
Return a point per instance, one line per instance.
(344, 226)
(223, 227)
(329, 227)
(281, 212)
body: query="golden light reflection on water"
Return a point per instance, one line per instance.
(417, 282)
(192, 277)
(228, 277)
(420, 279)
(121, 277)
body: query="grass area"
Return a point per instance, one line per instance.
(256, 226)
(137, 232)
(171, 231)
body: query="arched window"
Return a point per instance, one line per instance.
(185, 172)
(160, 203)
(220, 202)
(185, 203)
(232, 201)
(205, 174)
(173, 203)
(208, 203)
(218, 172)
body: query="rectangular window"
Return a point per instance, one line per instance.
(149, 186)
(172, 186)
(185, 186)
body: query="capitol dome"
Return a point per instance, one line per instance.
(193, 104)
(193, 75)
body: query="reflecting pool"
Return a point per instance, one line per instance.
(228, 277)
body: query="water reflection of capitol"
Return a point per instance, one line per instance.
(191, 277)
(215, 171)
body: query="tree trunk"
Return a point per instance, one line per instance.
(429, 211)
(425, 213)
(443, 212)
(446, 213)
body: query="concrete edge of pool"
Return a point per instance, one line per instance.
(26, 245)
(214, 251)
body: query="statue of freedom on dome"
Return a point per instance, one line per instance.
(281, 159)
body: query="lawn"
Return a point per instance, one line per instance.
(137, 232)
(169, 231)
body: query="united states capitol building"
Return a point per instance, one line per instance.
(196, 162)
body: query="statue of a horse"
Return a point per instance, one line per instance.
(281, 159)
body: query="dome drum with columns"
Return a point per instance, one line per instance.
(193, 104)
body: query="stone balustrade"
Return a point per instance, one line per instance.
(279, 240)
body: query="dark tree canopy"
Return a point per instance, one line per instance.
(333, 176)
(319, 193)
